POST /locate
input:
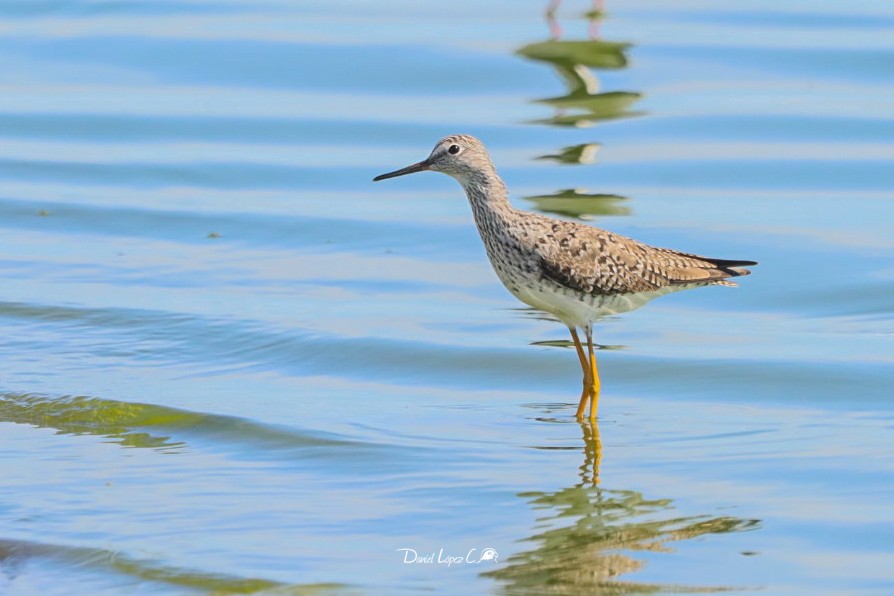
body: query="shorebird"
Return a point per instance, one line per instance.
(575, 272)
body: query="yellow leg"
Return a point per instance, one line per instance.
(593, 376)
(585, 366)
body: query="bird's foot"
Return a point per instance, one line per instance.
(584, 400)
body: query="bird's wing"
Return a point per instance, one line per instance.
(683, 268)
(595, 261)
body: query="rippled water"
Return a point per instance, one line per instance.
(232, 364)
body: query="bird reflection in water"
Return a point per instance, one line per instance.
(583, 105)
(586, 536)
(576, 62)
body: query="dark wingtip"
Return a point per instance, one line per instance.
(724, 263)
(730, 268)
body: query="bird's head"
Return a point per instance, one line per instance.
(458, 156)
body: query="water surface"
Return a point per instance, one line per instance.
(232, 364)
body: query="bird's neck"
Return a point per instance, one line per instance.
(488, 197)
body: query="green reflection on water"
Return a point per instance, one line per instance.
(79, 415)
(575, 154)
(574, 203)
(88, 415)
(575, 62)
(585, 537)
(584, 104)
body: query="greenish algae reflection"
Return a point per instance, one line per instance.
(584, 540)
(574, 154)
(584, 104)
(575, 61)
(574, 203)
(78, 415)
(118, 420)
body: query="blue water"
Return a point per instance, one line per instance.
(232, 364)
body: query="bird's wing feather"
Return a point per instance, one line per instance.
(595, 261)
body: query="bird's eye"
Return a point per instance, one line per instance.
(453, 149)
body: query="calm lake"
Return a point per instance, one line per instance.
(233, 364)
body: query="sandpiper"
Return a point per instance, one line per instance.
(570, 270)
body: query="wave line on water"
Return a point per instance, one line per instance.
(80, 560)
(141, 425)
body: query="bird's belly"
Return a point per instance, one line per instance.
(578, 309)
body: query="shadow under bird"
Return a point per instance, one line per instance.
(570, 270)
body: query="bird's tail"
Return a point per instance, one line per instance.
(732, 268)
(698, 269)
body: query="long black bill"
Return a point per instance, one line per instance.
(416, 167)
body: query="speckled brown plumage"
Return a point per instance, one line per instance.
(595, 261)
